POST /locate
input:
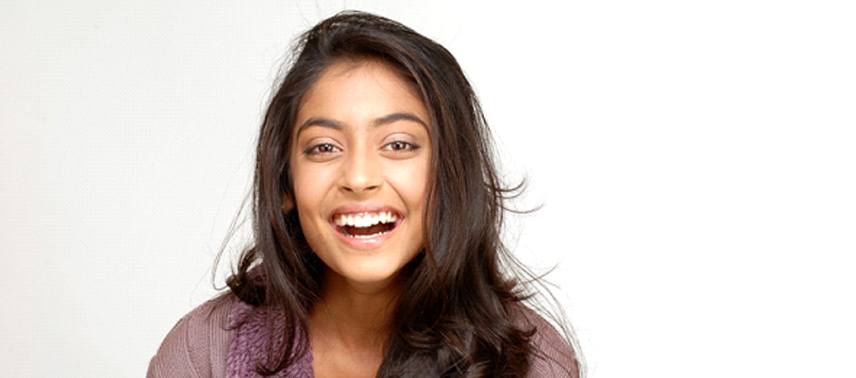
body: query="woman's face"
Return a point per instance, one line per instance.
(360, 162)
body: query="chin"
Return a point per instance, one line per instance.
(371, 272)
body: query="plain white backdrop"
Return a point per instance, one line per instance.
(695, 160)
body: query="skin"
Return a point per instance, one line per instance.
(358, 163)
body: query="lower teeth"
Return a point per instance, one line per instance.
(368, 236)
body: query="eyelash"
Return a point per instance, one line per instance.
(412, 147)
(314, 149)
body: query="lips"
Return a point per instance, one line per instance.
(368, 225)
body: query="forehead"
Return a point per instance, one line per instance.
(356, 91)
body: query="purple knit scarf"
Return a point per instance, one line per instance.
(257, 329)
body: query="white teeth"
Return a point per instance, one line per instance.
(369, 236)
(364, 219)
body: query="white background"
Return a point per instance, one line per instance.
(696, 162)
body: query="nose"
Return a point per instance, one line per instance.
(361, 172)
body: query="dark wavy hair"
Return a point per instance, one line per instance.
(456, 314)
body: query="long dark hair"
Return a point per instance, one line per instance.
(456, 316)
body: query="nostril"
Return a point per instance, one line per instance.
(351, 188)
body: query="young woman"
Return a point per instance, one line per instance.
(377, 210)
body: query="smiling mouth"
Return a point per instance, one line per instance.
(366, 225)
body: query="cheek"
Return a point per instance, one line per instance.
(310, 186)
(411, 182)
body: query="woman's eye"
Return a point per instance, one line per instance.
(321, 148)
(401, 146)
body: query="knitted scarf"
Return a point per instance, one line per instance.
(258, 328)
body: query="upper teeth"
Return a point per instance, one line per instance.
(364, 219)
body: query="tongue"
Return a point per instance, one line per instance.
(380, 227)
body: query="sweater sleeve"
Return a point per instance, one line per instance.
(554, 357)
(197, 345)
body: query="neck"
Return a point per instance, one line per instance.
(355, 315)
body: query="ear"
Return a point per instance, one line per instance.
(287, 203)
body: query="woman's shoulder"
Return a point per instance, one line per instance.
(554, 356)
(198, 344)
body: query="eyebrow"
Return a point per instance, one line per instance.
(387, 119)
